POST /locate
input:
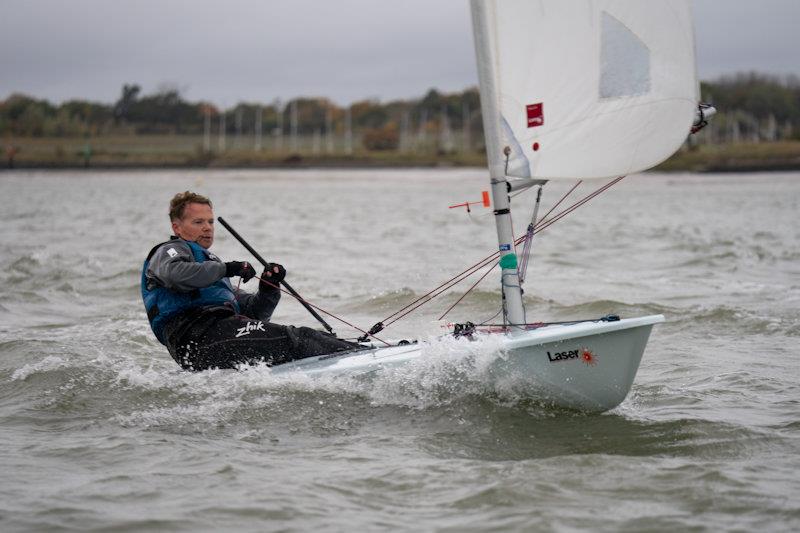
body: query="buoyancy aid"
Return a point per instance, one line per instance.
(162, 304)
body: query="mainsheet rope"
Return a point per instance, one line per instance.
(301, 300)
(541, 226)
(447, 285)
(537, 229)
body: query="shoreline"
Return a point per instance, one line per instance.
(173, 152)
(743, 169)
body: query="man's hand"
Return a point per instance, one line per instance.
(274, 273)
(243, 269)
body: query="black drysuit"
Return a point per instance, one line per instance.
(217, 336)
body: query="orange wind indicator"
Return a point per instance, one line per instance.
(484, 200)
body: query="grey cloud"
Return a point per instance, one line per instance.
(343, 49)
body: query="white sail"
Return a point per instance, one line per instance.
(584, 88)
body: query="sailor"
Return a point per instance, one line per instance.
(200, 317)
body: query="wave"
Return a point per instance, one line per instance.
(146, 389)
(737, 320)
(446, 398)
(602, 307)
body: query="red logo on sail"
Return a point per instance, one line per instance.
(535, 114)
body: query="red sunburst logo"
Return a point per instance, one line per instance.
(588, 357)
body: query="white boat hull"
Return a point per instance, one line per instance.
(588, 366)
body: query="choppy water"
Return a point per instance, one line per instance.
(100, 429)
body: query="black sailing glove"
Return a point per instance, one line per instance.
(274, 273)
(243, 269)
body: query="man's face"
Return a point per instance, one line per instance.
(196, 225)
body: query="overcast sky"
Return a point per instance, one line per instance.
(347, 50)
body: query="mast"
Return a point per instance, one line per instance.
(513, 309)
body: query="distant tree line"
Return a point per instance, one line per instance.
(380, 125)
(752, 107)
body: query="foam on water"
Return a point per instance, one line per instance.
(449, 369)
(49, 363)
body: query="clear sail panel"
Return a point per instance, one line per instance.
(624, 61)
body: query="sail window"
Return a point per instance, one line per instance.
(624, 61)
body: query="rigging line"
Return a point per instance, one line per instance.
(306, 302)
(440, 290)
(606, 318)
(263, 262)
(543, 219)
(416, 304)
(597, 192)
(564, 212)
(578, 204)
(543, 224)
(561, 200)
(511, 223)
(468, 291)
(557, 217)
(491, 317)
(469, 271)
(528, 243)
(447, 285)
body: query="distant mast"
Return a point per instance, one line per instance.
(207, 128)
(466, 116)
(278, 125)
(445, 133)
(348, 130)
(404, 131)
(329, 129)
(222, 131)
(257, 128)
(422, 137)
(239, 124)
(293, 124)
(316, 141)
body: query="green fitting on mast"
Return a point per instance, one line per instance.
(508, 261)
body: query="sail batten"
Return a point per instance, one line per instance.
(584, 88)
